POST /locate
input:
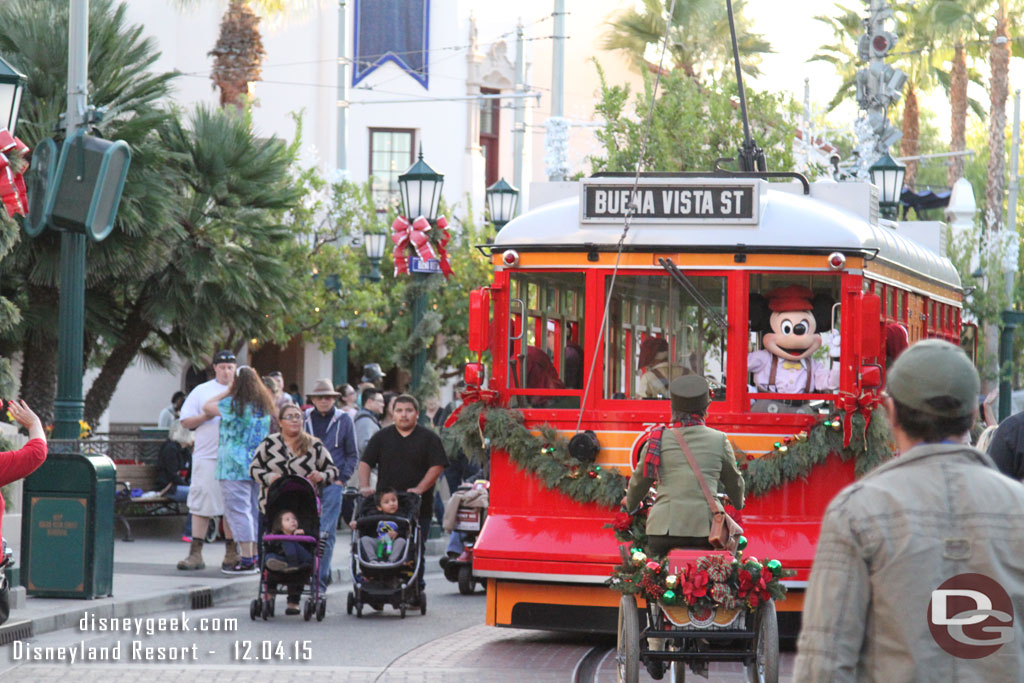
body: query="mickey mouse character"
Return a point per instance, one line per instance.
(792, 318)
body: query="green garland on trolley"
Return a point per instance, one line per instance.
(480, 427)
(794, 457)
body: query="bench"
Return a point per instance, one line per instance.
(140, 476)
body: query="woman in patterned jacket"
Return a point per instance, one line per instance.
(291, 451)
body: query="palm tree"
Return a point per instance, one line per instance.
(957, 20)
(999, 64)
(842, 52)
(699, 38)
(919, 59)
(238, 54)
(230, 227)
(33, 36)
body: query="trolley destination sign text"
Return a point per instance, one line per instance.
(677, 202)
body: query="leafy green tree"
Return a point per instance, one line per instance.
(700, 43)
(33, 37)
(338, 301)
(682, 107)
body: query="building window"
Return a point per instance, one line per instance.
(391, 154)
(490, 111)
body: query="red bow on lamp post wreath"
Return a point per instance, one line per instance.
(473, 395)
(12, 185)
(404, 235)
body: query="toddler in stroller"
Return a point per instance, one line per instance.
(382, 574)
(291, 548)
(388, 546)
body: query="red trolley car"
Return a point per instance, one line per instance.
(546, 556)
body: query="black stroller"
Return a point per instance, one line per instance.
(295, 493)
(393, 580)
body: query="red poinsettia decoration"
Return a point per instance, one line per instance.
(696, 586)
(622, 521)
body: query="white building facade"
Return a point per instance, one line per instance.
(422, 93)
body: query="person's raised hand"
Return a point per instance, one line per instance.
(24, 416)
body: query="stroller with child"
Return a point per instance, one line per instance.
(298, 495)
(393, 577)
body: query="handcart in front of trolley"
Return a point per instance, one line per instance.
(696, 607)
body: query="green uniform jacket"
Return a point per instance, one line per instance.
(680, 508)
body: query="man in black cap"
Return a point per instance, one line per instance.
(919, 571)
(680, 516)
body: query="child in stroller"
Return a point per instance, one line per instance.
(293, 555)
(381, 575)
(295, 544)
(388, 546)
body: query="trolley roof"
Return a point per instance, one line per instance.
(786, 222)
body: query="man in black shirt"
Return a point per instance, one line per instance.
(408, 457)
(1007, 447)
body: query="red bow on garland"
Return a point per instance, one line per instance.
(417, 234)
(850, 404)
(473, 395)
(12, 185)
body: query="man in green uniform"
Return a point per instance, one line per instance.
(680, 516)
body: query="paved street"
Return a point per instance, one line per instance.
(450, 643)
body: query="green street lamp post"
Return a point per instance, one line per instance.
(12, 85)
(887, 174)
(502, 202)
(420, 188)
(374, 244)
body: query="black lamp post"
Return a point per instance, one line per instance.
(502, 202)
(420, 187)
(887, 174)
(12, 85)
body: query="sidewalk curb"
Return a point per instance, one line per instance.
(186, 598)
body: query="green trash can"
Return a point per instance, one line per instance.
(67, 527)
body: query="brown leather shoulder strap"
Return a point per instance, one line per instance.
(807, 368)
(696, 471)
(774, 370)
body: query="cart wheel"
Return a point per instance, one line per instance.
(627, 651)
(254, 609)
(765, 668)
(265, 611)
(321, 609)
(402, 610)
(423, 603)
(307, 610)
(351, 603)
(466, 583)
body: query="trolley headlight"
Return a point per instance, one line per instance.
(836, 260)
(510, 258)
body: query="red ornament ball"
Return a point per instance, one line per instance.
(592, 474)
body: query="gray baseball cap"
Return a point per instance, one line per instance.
(936, 378)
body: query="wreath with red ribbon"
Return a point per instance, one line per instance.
(427, 242)
(13, 165)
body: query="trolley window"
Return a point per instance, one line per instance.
(792, 351)
(546, 339)
(658, 330)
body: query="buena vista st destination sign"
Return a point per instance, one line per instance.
(670, 200)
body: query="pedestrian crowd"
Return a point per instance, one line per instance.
(245, 431)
